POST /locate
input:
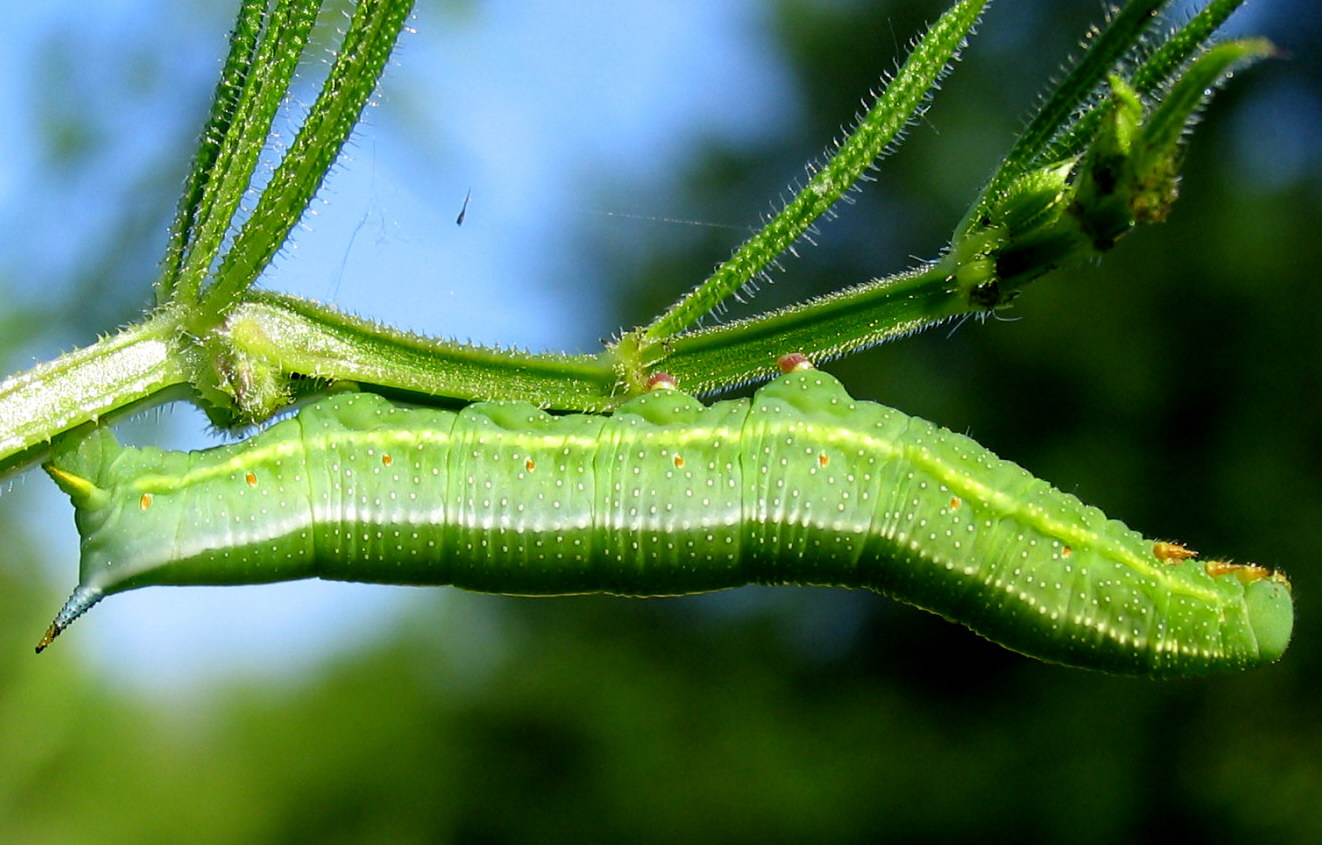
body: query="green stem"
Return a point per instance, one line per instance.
(877, 130)
(1156, 70)
(353, 77)
(846, 321)
(1166, 127)
(303, 338)
(243, 355)
(223, 176)
(198, 193)
(87, 385)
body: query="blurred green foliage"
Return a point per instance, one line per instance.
(1174, 386)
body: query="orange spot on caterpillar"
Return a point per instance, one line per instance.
(251, 478)
(1171, 552)
(794, 362)
(530, 465)
(955, 502)
(661, 381)
(145, 501)
(386, 460)
(823, 459)
(1251, 572)
(1066, 552)
(679, 462)
(1217, 568)
(1247, 573)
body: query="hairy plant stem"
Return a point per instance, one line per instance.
(89, 385)
(1089, 167)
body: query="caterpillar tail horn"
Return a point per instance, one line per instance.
(79, 603)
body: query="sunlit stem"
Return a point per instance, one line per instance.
(827, 327)
(1156, 70)
(87, 385)
(880, 127)
(264, 55)
(305, 339)
(359, 61)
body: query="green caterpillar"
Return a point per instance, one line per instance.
(799, 485)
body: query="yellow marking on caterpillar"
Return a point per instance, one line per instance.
(82, 491)
(1007, 506)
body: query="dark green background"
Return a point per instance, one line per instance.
(1175, 385)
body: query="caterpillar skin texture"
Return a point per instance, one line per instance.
(799, 485)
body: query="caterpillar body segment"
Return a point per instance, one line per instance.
(800, 484)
